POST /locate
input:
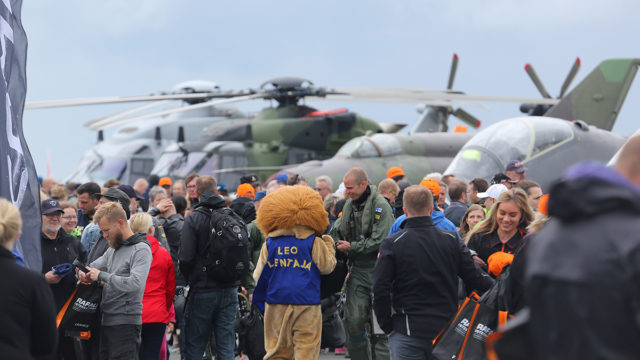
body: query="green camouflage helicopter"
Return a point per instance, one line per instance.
(292, 133)
(547, 144)
(287, 134)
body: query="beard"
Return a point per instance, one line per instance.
(116, 241)
(52, 229)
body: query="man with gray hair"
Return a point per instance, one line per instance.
(324, 186)
(157, 194)
(141, 186)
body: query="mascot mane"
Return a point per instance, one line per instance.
(291, 206)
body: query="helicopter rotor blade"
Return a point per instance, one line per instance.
(536, 81)
(125, 113)
(570, 76)
(121, 99)
(467, 118)
(452, 73)
(418, 96)
(178, 110)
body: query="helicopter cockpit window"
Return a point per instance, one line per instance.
(387, 144)
(358, 148)
(165, 163)
(548, 134)
(508, 140)
(111, 168)
(184, 168)
(210, 166)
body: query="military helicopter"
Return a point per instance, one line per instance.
(548, 145)
(556, 135)
(289, 133)
(131, 152)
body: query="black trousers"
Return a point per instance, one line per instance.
(120, 342)
(152, 334)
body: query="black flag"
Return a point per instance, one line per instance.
(18, 179)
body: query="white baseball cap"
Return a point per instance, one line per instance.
(493, 191)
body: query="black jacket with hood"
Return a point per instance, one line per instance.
(195, 236)
(582, 281)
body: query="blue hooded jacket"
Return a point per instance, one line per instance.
(439, 220)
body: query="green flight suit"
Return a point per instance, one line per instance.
(256, 239)
(364, 225)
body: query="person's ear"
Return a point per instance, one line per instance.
(431, 210)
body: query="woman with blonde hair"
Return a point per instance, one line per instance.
(26, 306)
(158, 292)
(500, 236)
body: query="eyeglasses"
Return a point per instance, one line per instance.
(68, 217)
(53, 215)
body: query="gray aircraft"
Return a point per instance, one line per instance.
(132, 151)
(551, 142)
(548, 145)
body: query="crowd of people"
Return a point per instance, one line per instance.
(171, 257)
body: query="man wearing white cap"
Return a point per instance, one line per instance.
(491, 195)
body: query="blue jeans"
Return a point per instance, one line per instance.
(206, 311)
(403, 347)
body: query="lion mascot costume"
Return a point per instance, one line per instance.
(288, 271)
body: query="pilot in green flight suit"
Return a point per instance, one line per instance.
(366, 220)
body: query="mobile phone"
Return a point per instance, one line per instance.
(80, 265)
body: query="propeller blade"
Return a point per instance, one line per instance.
(452, 73)
(180, 109)
(122, 114)
(467, 118)
(119, 99)
(536, 81)
(570, 76)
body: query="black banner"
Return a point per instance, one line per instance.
(18, 178)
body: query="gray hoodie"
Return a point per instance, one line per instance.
(124, 272)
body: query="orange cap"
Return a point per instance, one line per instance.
(394, 171)
(165, 181)
(543, 205)
(246, 190)
(497, 261)
(431, 185)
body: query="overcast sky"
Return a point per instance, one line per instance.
(115, 48)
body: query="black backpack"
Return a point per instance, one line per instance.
(226, 255)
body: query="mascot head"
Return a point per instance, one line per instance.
(291, 206)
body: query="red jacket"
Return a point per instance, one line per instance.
(160, 287)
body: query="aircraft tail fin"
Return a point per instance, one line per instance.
(599, 97)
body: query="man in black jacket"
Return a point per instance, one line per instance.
(59, 248)
(211, 305)
(420, 266)
(581, 280)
